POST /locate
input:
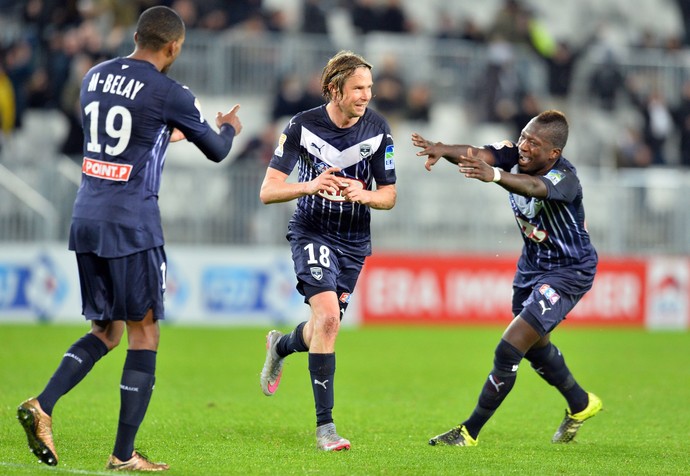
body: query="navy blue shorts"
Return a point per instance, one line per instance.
(543, 306)
(320, 266)
(122, 289)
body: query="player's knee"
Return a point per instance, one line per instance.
(329, 324)
(548, 362)
(544, 356)
(111, 341)
(506, 358)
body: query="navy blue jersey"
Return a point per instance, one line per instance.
(556, 241)
(363, 152)
(129, 109)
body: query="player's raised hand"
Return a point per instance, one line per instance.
(230, 118)
(474, 167)
(430, 149)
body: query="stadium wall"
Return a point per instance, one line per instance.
(447, 289)
(204, 285)
(224, 285)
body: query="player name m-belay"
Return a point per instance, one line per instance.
(116, 84)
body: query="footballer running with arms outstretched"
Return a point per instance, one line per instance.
(130, 112)
(555, 270)
(344, 154)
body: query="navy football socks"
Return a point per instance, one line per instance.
(292, 342)
(496, 388)
(549, 363)
(75, 365)
(136, 386)
(322, 372)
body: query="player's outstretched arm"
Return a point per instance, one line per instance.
(523, 184)
(216, 145)
(472, 166)
(434, 151)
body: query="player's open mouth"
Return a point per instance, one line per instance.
(522, 160)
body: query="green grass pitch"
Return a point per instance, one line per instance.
(395, 388)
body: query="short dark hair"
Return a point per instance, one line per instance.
(338, 69)
(555, 127)
(157, 26)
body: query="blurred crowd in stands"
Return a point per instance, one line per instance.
(46, 46)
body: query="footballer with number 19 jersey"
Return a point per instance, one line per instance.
(130, 112)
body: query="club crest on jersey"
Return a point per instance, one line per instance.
(549, 293)
(316, 272)
(364, 150)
